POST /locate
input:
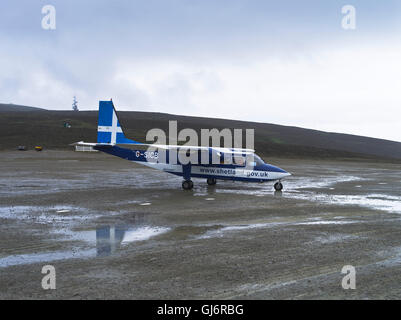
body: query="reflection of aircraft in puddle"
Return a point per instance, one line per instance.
(210, 163)
(108, 239)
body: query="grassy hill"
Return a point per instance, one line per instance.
(6, 107)
(30, 127)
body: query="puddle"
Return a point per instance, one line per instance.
(21, 259)
(318, 182)
(46, 215)
(220, 232)
(391, 204)
(108, 239)
(333, 238)
(143, 233)
(326, 222)
(387, 203)
(104, 241)
(291, 185)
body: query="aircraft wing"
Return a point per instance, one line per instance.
(171, 147)
(201, 148)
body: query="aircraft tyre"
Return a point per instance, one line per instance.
(211, 181)
(278, 186)
(187, 184)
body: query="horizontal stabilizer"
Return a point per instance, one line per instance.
(90, 144)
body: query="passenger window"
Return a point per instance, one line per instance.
(239, 160)
(229, 159)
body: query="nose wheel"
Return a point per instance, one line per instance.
(278, 186)
(187, 184)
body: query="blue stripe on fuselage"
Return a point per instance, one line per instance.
(269, 167)
(139, 155)
(127, 154)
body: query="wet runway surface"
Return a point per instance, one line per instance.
(114, 229)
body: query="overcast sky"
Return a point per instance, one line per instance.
(284, 62)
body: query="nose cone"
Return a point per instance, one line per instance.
(277, 172)
(283, 174)
(286, 174)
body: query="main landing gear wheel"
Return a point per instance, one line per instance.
(278, 186)
(211, 181)
(187, 184)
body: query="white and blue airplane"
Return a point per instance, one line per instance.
(111, 138)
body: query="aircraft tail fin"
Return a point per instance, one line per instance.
(109, 130)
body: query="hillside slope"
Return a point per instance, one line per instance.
(46, 128)
(6, 107)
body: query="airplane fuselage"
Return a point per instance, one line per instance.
(260, 172)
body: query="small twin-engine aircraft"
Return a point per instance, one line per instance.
(246, 165)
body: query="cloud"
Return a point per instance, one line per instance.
(354, 90)
(281, 62)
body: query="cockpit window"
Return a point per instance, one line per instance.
(258, 160)
(252, 160)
